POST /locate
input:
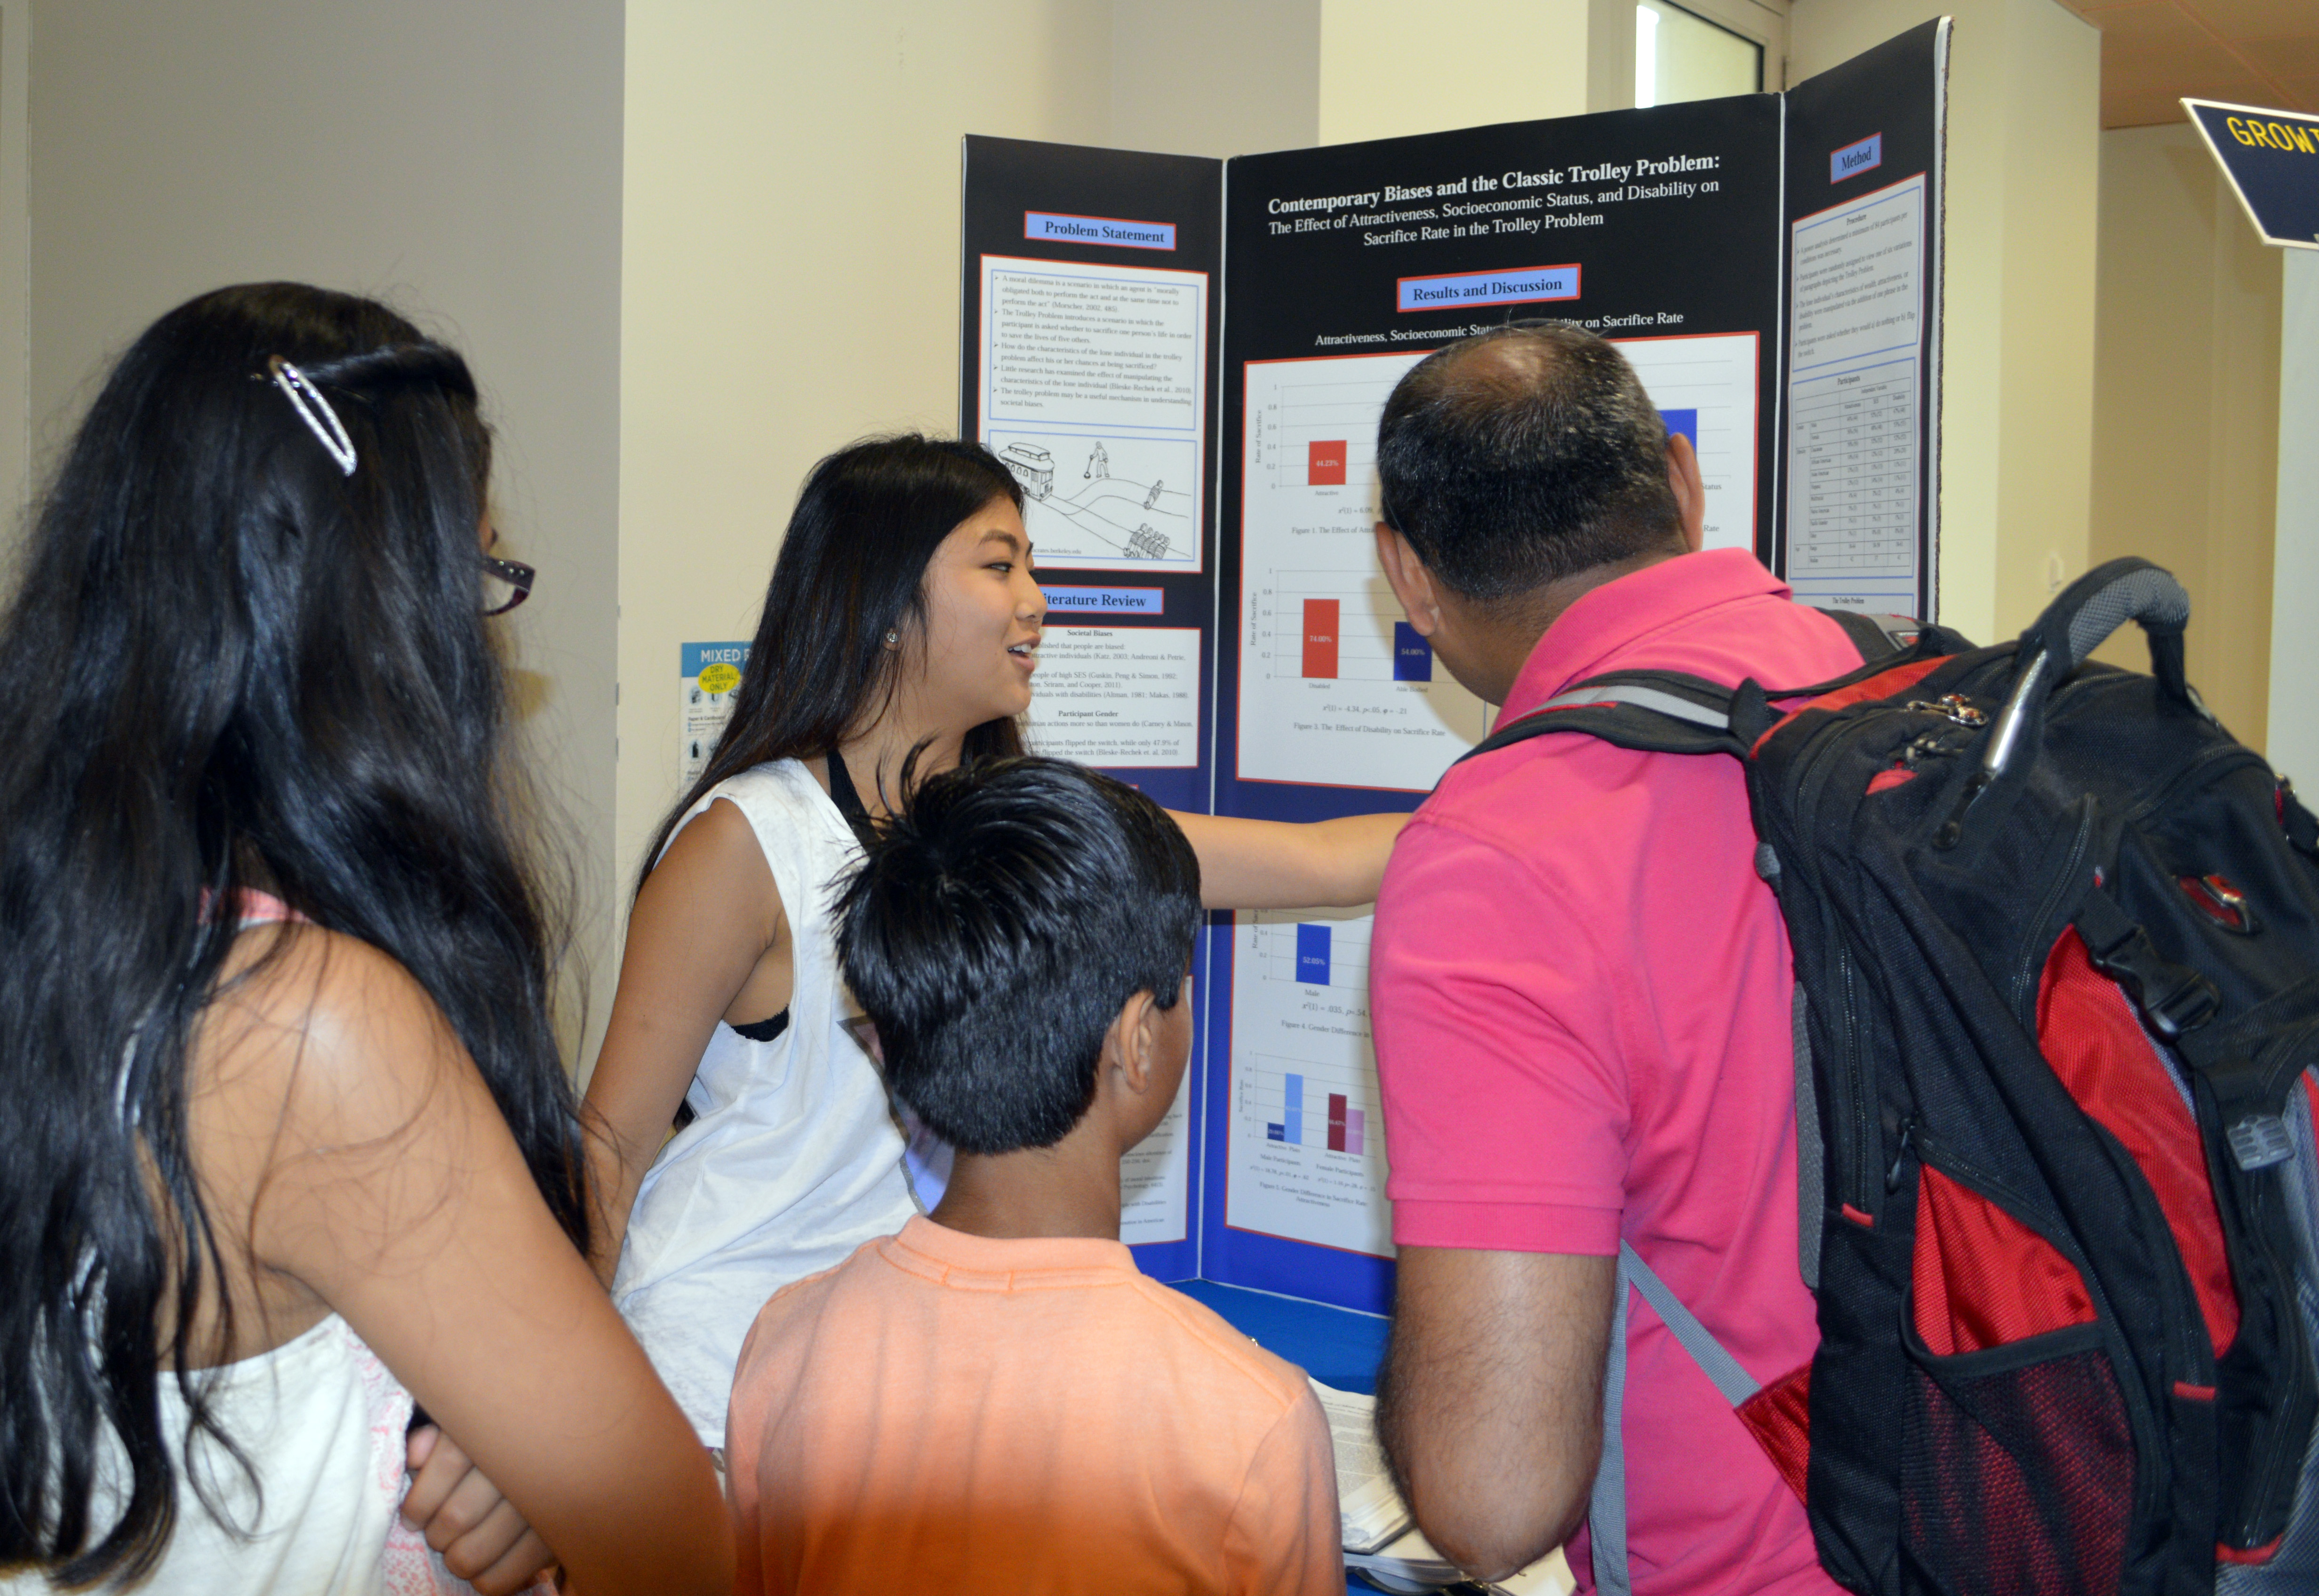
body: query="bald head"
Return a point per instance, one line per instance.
(1523, 455)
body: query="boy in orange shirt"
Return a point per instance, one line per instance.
(995, 1400)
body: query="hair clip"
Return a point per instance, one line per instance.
(307, 401)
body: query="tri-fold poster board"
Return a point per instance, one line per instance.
(1183, 361)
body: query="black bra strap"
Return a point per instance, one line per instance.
(843, 794)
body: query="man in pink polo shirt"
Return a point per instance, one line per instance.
(1581, 990)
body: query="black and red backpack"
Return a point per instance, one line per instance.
(2056, 941)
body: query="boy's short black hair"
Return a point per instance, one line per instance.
(995, 930)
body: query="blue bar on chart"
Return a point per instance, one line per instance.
(1292, 1117)
(1312, 955)
(1413, 655)
(1683, 421)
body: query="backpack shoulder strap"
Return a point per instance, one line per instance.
(1651, 711)
(1878, 637)
(1670, 712)
(1606, 1510)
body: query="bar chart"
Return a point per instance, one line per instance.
(1332, 626)
(1309, 953)
(1308, 1105)
(1307, 1158)
(1705, 388)
(1318, 427)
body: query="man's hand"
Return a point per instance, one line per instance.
(483, 1538)
(1490, 1403)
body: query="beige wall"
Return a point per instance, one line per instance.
(460, 160)
(2292, 742)
(15, 278)
(2185, 406)
(1217, 78)
(1387, 70)
(789, 273)
(2016, 432)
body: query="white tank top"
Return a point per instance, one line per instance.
(321, 1422)
(323, 1425)
(793, 1159)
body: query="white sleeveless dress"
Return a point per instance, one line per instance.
(793, 1158)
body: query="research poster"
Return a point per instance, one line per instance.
(1088, 291)
(1183, 363)
(1088, 286)
(1660, 230)
(1155, 1180)
(1349, 263)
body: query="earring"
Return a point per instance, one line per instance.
(893, 639)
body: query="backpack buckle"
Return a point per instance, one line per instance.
(2173, 997)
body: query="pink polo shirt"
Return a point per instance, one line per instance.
(1581, 999)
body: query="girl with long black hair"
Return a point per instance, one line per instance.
(898, 637)
(285, 1140)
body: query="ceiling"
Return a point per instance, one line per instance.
(2254, 52)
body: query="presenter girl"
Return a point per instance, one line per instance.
(284, 1139)
(901, 632)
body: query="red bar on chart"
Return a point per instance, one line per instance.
(1325, 464)
(1321, 637)
(1356, 1124)
(1336, 1121)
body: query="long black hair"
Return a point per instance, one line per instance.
(230, 666)
(851, 568)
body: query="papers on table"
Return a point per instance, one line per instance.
(1382, 1544)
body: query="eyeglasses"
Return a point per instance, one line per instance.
(516, 574)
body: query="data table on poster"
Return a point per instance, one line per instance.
(1336, 687)
(1853, 508)
(1307, 1153)
(1857, 333)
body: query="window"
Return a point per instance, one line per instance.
(1681, 57)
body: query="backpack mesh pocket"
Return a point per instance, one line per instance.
(2016, 1472)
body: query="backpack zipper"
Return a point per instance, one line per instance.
(1811, 782)
(1863, 1193)
(2232, 754)
(2284, 1453)
(2031, 961)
